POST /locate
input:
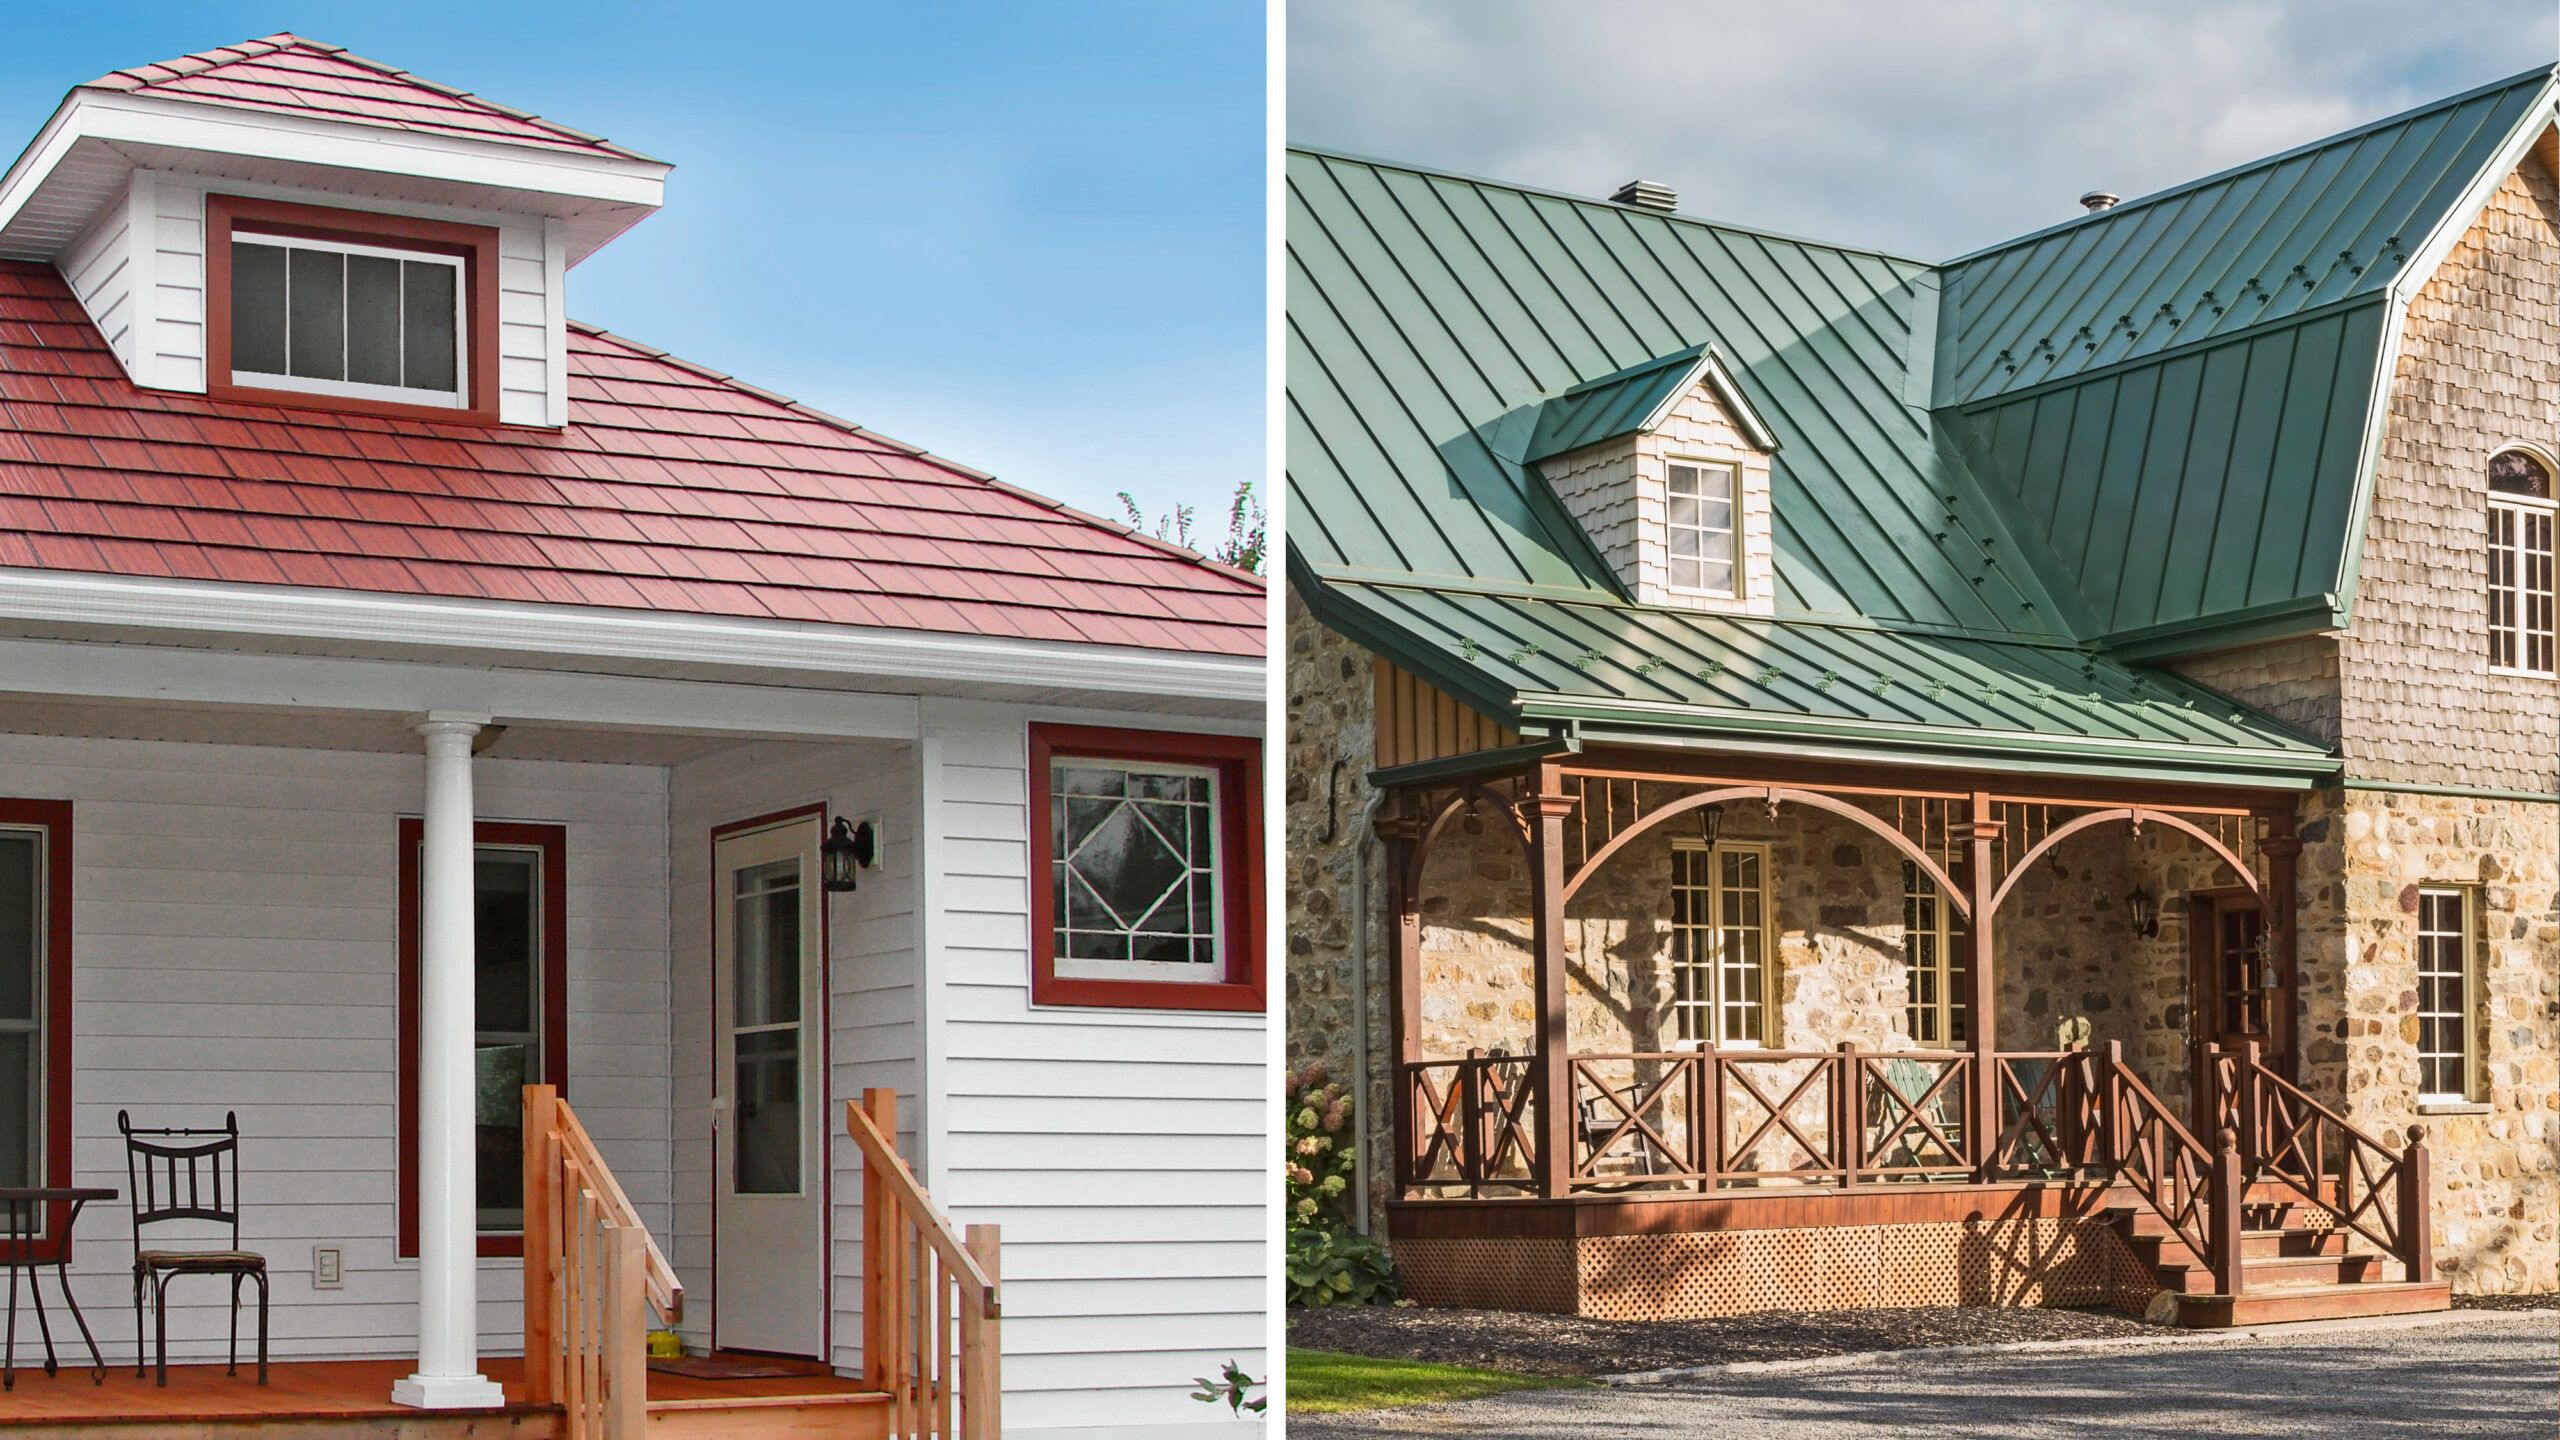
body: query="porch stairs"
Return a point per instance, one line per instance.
(2293, 1214)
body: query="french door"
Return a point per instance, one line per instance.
(769, 1148)
(2238, 995)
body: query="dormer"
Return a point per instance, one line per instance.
(1666, 466)
(284, 222)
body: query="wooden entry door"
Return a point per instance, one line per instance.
(2238, 996)
(769, 1287)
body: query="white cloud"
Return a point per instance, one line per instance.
(1927, 129)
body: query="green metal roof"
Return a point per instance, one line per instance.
(2146, 432)
(1633, 401)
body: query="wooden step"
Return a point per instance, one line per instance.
(2167, 1249)
(851, 1415)
(2274, 1271)
(2314, 1302)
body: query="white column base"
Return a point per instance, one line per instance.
(449, 1392)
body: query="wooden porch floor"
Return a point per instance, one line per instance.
(333, 1390)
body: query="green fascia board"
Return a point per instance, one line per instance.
(2337, 219)
(1635, 401)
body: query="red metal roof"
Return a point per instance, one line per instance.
(291, 75)
(673, 488)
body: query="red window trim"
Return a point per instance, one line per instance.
(553, 842)
(54, 818)
(476, 244)
(1238, 762)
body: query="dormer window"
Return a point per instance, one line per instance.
(383, 314)
(2521, 515)
(1698, 520)
(357, 321)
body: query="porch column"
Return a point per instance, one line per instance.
(2283, 850)
(1399, 831)
(448, 1375)
(1982, 1025)
(1545, 810)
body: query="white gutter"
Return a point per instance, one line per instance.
(533, 631)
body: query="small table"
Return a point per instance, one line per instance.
(22, 1212)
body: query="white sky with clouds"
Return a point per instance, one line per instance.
(1927, 129)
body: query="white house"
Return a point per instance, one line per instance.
(408, 693)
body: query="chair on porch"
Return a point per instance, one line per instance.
(1910, 1080)
(1600, 1119)
(176, 1176)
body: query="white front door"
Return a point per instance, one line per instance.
(769, 1149)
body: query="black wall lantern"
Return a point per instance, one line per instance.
(2145, 912)
(848, 852)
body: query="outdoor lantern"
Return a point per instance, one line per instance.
(847, 853)
(1710, 820)
(2145, 912)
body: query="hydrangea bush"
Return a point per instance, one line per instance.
(1329, 1261)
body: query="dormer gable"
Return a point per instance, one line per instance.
(280, 220)
(1666, 467)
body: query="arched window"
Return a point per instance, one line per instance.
(2521, 512)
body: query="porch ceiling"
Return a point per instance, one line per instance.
(1535, 661)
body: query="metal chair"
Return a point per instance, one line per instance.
(179, 1175)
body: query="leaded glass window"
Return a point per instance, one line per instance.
(1134, 870)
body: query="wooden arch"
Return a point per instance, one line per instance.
(1449, 810)
(1775, 795)
(2138, 817)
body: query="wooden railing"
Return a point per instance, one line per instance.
(590, 1274)
(2291, 1139)
(1721, 1119)
(2164, 1164)
(930, 1306)
(1471, 1123)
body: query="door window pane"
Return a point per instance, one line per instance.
(768, 1112)
(768, 944)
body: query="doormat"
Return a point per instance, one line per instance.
(734, 1367)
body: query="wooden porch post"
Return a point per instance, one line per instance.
(2283, 849)
(541, 1245)
(1981, 1023)
(1546, 807)
(2417, 1217)
(1401, 832)
(879, 1241)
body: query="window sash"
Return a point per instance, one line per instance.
(1701, 551)
(37, 1081)
(2448, 990)
(456, 398)
(1210, 816)
(2521, 618)
(1724, 944)
(1935, 958)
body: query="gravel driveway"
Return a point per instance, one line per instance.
(2484, 1374)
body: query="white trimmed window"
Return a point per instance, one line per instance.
(1933, 957)
(2448, 982)
(23, 1005)
(1136, 876)
(1721, 941)
(2521, 514)
(1699, 524)
(358, 322)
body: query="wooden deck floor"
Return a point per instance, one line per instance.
(320, 1390)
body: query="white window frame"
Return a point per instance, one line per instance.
(457, 398)
(2521, 515)
(1732, 471)
(1942, 930)
(1181, 972)
(2467, 975)
(1694, 946)
(40, 991)
(536, 973)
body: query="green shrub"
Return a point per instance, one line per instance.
(1329, 1261)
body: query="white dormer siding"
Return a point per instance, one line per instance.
(139, 271)
(1619, 491)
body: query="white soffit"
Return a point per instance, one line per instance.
(85, 153)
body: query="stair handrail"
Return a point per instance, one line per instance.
(922, 1280)
(2162, 1162)
(590, 1269)
(2281, 1122)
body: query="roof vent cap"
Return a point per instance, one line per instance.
(2097, 200)
(1647, 195)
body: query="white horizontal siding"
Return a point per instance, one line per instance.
(1124, 1152)
(176, 326)
(871, 986)
(99, 268)
(235, 948)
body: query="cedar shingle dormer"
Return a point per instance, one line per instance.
(416, 196)
(1666, 467)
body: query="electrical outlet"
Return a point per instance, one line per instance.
(328, 1267)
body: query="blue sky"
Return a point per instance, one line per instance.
(1027, 236)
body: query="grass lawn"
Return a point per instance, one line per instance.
(1321, 1381)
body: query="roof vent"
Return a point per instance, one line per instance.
(2097, 200)
(1647, 195)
